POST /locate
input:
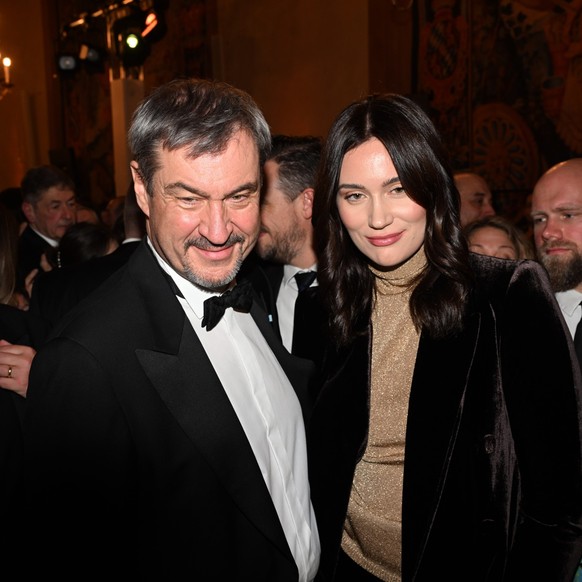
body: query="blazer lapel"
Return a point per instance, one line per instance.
(436, 404)
(182, 374)
(190, 388)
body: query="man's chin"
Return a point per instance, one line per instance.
(213, 278)
(564, 270)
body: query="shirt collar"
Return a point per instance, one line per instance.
(569, 300)
(289, 272)
(51, 241)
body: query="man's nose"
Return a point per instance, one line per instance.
(69, 213)
(487, 210)
(551, 229)
(215, 224)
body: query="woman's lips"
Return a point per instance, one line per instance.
(385, 240)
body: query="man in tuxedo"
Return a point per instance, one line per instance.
(476, 197)
(56, 292)
(48, 203)
(285, 242)
(164, 429)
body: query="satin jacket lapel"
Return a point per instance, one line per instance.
(181, 372)
(435, 410)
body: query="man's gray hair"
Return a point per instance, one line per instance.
(199, 114)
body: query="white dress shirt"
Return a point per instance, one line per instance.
(286, 302)
(51, 241)
(269, 412)
(569, 302)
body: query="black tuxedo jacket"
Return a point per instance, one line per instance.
(136, 461)
(493, 460)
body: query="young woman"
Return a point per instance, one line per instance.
(497, 237)
(446, 438)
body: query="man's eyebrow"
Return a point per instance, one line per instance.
(562, 208)
(568, 207)
(246, 187)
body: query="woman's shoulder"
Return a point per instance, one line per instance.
(493, 276)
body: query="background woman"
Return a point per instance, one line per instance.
(446, 440)
(497, 237)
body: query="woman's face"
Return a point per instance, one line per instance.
(492, 241)
(383, 222)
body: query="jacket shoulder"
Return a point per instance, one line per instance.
(493, 276)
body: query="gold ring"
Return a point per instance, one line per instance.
(9, 372)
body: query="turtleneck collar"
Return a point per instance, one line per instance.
(396, 279)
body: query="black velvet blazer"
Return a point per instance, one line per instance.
(493, 457)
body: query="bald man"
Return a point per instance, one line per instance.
(556, 211)
(476, 197)
(557, 226)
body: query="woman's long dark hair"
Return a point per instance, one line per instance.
(438, 300)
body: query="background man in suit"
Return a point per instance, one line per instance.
(165, 443)
(48, 202)
(286, 239)
(476, 197)
(557, 227)
(56, 292)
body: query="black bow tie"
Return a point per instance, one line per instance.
(239, 298)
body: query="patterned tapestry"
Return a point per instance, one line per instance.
(503, 82)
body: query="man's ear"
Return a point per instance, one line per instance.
(29, 213)
(307, 197)
(141, 195)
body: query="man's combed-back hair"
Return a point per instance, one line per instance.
(199, 114)
(38, 180)
(298, 159)
(439, 297)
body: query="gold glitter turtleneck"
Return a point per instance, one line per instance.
(372, 530)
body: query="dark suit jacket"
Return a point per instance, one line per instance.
(308, 318)
(266, 279)
(137, 463)
(56, 292)
(17, 327)
(31, 246)
(493, 458)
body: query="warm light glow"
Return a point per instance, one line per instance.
(6, 62)
(150, 23)
(132, 41)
